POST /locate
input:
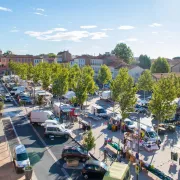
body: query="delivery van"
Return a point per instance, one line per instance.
(118, 171)
(106, 95)
(40, 116)
(98, 111)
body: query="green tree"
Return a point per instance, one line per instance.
(176, 82)
(74, 74)
(123, 52)
(145, 81)
(60, 84)
(160, 65)
(30, 71)
(89, 141)
(164, 92)
(104, 75)
(7, 53)
(51, 55)
(84, 85)
(124, 92)
(144, 61)
(46, 75)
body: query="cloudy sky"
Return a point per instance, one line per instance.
(149, 27)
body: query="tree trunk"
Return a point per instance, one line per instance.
(113, 108)
(144, 95)
(60, 110)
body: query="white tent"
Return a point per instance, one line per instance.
(69, 95)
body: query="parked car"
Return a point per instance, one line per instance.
(27, 100)
(75, 152)
(8, 98)
(150, 134)
(20, 158)
(140, 109)
(56, 130)
(130, 125)
(94, 169)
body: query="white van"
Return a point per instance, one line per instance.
(150, 133)
(20, 158)
(40, 116)
(105, 95)
(98, 111)
(17, 90)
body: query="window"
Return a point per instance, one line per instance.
(97, 168)
(50, 129)
(89, 167)
(22, 157)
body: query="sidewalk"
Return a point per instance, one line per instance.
(7, 170)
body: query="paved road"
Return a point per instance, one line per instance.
(44, 164)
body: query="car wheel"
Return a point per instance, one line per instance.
(85, 176)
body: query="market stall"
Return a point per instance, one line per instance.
(114, 123)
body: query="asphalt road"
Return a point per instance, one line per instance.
(42, 157)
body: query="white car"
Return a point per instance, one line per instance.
(20, 158)
(130, 125)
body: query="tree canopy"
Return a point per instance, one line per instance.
(160, 65)
(124, 92)
(104, 74)
(164, 92)
(145, 81)
(123, 52)
(89, 141)
(51, 55)
(144, 61)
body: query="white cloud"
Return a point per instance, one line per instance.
(5, 9)
(60, 34)
(154, 32)
(121, 41)
(14, 30)
(131, 39)
(160, 42)
(40, 14)
(107, 29)
(155, 25)
(126, 27)
(88, 27)
(40, 9)
(98, 35)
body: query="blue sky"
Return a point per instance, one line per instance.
(40, 26)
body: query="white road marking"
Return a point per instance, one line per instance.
(45, 146)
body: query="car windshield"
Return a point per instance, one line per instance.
(130, 123)
(52, 116)
(81, 150)
(104, 166)
(22, 157)
(101, 111)
(152, 134)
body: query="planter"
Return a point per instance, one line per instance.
(28, 172)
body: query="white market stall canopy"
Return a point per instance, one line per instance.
(69, 95)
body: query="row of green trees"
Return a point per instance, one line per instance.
(160, 65)
(81, 81)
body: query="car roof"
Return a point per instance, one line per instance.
(50, 121)
(95, 162)
(127, 119)
(19, 149)
(52, 125)
(70, 147)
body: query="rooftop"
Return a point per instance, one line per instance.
(160, 75)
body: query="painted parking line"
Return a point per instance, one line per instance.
(45, 146)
